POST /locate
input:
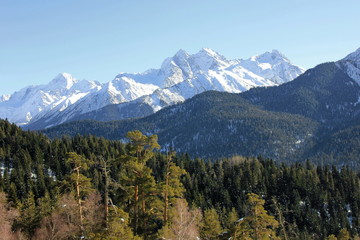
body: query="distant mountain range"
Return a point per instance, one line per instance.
(136, 95)
(316, 116)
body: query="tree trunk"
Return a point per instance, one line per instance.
(79, 198)
(166, 205)
(143, 203)
(106, 197)
(143, 206)
(136, 198)
(281, 221)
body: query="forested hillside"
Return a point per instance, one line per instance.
(324, 93)
(101, 189)
(212, 125)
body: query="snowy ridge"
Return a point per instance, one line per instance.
(62, 91)
(179, 78)
(273, 66)
(207, 70)
(351, 65)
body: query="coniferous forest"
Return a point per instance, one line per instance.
(85, 187)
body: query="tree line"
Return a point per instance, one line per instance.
(93, 188)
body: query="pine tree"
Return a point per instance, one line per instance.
(258, 225)
(280, 217)
(172, 187)
(105, 168)
(118, 227)
(231, 220)
(136, 178)
(80, 183)
(210, 225)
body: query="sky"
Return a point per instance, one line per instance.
(97, 39)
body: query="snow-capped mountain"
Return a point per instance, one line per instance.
(207, 70)
(273, 66)
(61, 92)
(351, 65)
(180, 77)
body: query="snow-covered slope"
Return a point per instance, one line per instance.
(180, 77)
(273, 66)
(117, 91)
(351, 65)
(207, 70)
(61, 92)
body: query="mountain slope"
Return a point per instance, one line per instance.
(324, 93)
(209, 122)
(351, 65)
(338, 148)
(180, 77)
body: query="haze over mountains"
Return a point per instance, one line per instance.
(180, 77)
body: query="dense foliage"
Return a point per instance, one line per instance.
(102, 189)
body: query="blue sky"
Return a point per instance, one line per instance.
(95, 40)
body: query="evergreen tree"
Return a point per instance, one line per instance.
(171, 187)
(231, 220)
(12, 195)
(80, 183)
(118, 227)
(258, 225)
(210, 225)
(105, 168)
(29, 219)
(136, 178)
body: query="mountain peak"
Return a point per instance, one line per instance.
(209, 52)
(63, 80)
(207, 58)
(268, 57)
(181, 54)
(276, 52)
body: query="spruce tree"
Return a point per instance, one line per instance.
(29, 219)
